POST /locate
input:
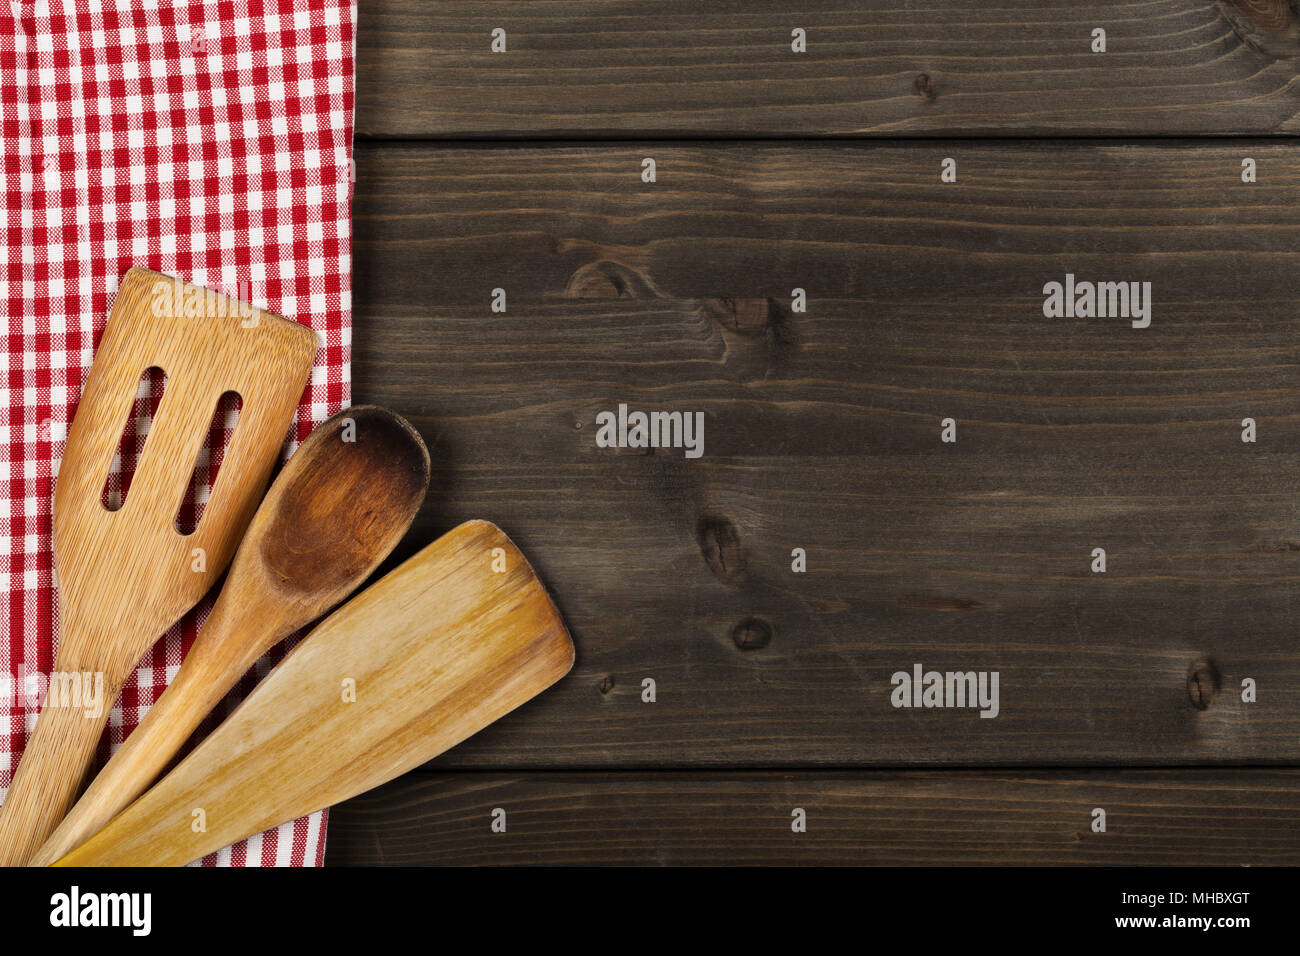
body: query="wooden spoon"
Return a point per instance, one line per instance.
(340, 506)
(456, 637)
(125, 576)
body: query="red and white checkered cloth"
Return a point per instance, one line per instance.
(207, 139)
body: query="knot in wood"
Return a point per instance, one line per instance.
(743, 316)
(1202, 684)
(720, 545)
(751, 634)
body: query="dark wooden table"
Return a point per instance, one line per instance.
(1164, 690)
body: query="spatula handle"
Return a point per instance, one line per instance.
(197, 688)
(50, 774)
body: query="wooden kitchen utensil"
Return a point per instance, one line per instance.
(338, 508)
(125, 576)
(453, 639)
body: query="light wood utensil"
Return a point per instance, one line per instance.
(434, 652)
(338, 508)
(125, 576)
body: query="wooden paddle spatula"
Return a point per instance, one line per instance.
(338, 508)
(125, 576)
(456, 637)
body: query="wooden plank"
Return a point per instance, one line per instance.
(823, 432)
(915, 818)
(872, 67)
(752, 221)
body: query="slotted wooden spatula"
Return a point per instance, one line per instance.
(125, 576)
(456, 637)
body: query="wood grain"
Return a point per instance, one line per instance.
(872, 68)
(823, 433)
(916, 818)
